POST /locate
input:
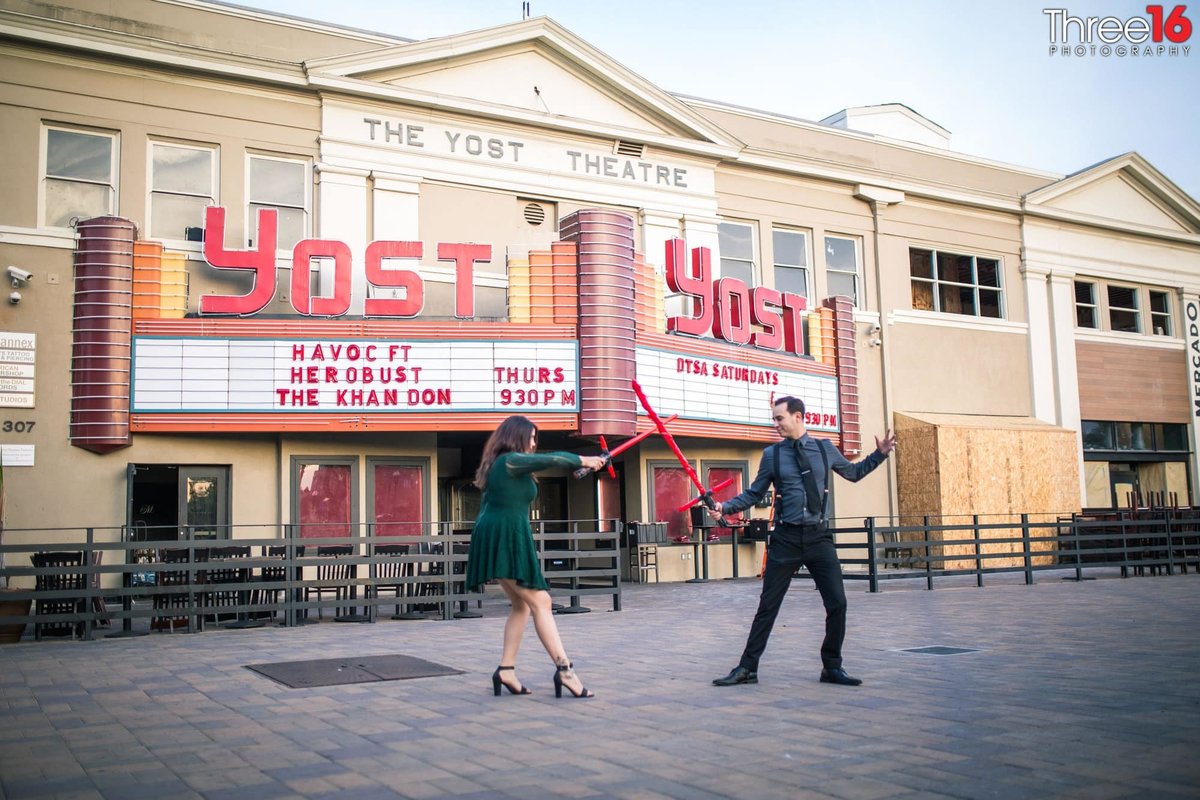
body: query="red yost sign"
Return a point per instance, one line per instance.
(261, 261)
(727, 308)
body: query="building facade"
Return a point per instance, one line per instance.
(281, 272)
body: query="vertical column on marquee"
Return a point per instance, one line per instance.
(604, 240)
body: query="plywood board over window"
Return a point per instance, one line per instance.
(950, 467)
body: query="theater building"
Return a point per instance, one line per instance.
(280, 271)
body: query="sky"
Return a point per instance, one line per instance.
(979, 68)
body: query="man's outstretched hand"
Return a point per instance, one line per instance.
(887, 444)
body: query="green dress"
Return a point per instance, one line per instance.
(502, 541)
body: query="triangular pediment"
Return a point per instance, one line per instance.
(533, 71)
(1127, 191)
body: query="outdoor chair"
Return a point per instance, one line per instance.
(334, 575)
(171, 608)
(270, 575)
(59, 582)
(224, 570)
(390, 572)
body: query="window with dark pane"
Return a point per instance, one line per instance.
(920, 267)
(1132, 436)
(989, 303)
(1123, 309)
(1097, 435)
(1085, 305)
(988, 272)
(1160, 313)
(1171, 437)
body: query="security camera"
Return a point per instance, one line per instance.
(14, 297)
(19, 275)
(874, 328)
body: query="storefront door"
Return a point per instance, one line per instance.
(204, 502)
(169, 501)
(323, 496)
(1124, 482)
(397, 496)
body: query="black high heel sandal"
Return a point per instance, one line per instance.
(558, 683)
(497, 683)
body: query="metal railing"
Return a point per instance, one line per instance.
(255, 575)
(1133, 543)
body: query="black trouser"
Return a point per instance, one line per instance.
(790, 547)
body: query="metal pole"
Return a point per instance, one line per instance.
(1027, 545)
(88, 596)
(872, 561)
(1167, 533)
(928, 555)
(978, 559)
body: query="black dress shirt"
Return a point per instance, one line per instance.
(795, 510)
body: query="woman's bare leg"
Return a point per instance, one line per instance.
(540, 607)
(514, 628)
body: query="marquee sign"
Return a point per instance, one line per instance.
(696, 387)
(212, 374)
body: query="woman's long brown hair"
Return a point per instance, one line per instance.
(511, 437)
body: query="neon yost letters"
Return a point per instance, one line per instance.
(261, 261)
(726, 308)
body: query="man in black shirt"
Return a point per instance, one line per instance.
(799, 466)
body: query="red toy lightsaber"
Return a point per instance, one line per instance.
(608, 455)
(706, 495)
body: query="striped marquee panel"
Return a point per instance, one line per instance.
(216, 375)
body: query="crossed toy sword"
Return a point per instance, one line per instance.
(660, 426)
(609, 455)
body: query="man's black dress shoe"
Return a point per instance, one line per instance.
(839, 676)
(739, 675)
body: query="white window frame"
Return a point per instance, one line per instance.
(857, 242)
(1155, 316)
(755, 278)
(806, 268)
(251, 215)
(214, 186)
(43, 166)
(1136, 309)
(935, 282)
(1094, 305)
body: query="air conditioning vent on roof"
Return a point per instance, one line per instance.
(535, 214)
(631, 149)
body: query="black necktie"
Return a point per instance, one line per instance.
(810, 480)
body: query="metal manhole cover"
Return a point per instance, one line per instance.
(342, 671)
(939, 650)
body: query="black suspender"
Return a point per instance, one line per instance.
(817, 501)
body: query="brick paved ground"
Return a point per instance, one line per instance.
(1087, 690)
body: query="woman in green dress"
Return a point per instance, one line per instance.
(502, 547)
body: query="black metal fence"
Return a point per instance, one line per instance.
(85, 582)
(1165, 540)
